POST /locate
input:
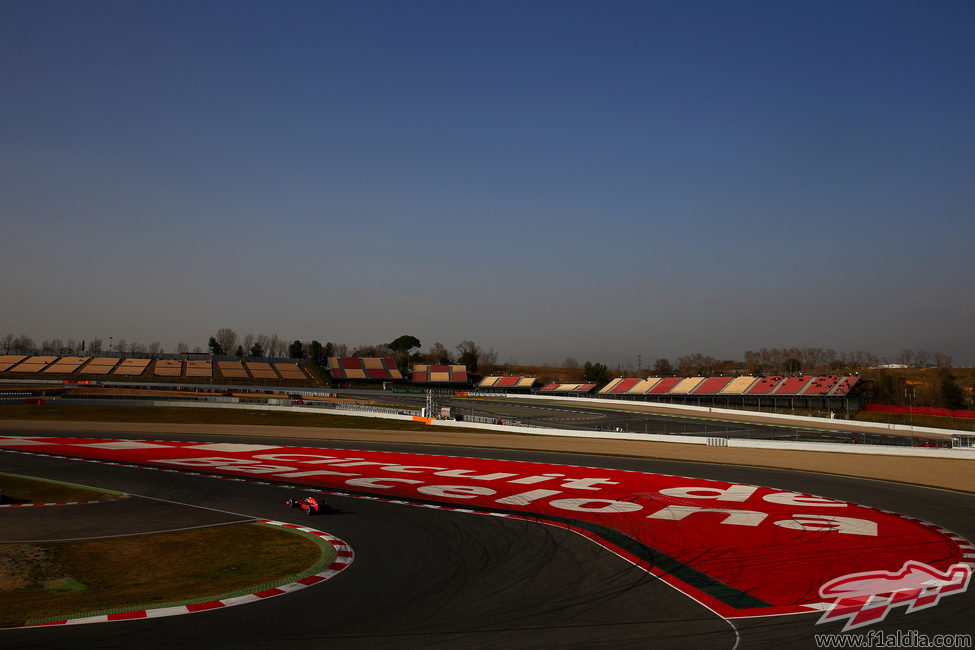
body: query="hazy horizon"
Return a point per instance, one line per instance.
(547, 179)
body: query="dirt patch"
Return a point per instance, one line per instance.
(24, 565)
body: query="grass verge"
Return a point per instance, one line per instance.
(23, 489)
(53, 581)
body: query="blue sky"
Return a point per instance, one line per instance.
(550, 179)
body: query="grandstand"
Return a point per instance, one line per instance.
(261, 370)
(10, 360)
(363, 368)
(507, 384)
(168, 368)
(100, 366)
(290, 371)
(440, 374)
(567, 389)
(232, 369)
(197, 368)
(132, 367)
(66, 365)
(802, 391)
(33, 364)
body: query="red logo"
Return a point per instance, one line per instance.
(865, 598)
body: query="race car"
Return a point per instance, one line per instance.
(310, 505)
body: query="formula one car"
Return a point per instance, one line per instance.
(310, 505)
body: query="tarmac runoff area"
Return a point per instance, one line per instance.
(947, 473)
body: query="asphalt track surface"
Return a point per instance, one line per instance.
(435, 578)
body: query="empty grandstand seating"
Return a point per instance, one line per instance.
(712, 385)
(261, 370)
(99, 366)
(440, 374)
(10, 360)
(168, 368)
(739, 385)
(132, 367)
(199, 368)
(508, 382)
(66, 365)
(821, 385)
(793, 385)
(567, 388)
(33, 364)
(232, 369)
(643, 386)
(374, 368)
(764, 386)
(290, 371)
(686, 385)
(664, 385)
(845, 385)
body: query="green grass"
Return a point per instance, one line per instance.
(22, 489)
(142, 572)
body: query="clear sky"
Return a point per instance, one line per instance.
(547, 178)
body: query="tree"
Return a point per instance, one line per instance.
(404, 343)
(316, 354)
(468, 354)
(227, 338)
(439, 354)
(215, 348)
(792, 365)
(95, 347)
(570, 363)
(240, 351)
(951, 394)
(662, 367)
(182, 348)
(596, 373)
(256, 350)
(942, 360)
(296, 350)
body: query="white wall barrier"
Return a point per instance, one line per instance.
(828, 447)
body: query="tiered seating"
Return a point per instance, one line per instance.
(664, 385)
(738, 385)
(793, 385)
(643, 386)
(168, 368)
(625, 385)
(10, 360)
(261, 370)
(712, 385)
(232, 369)
(99, 366)
(845, 385)
(507, 382)
(567, 388)
(440, 374)
(686, 385)
(377, 368)
(764, 386)
(66, 365)
(821, 385)
(34, 364)
(198, 368)
(132, 367)
(290, 371)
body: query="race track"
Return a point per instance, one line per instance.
(428, 577)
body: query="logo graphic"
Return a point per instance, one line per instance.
(865, 598)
